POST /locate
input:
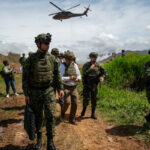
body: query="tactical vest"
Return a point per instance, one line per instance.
(93, 72)
(41, 72)
(22, 60)
(70, 70)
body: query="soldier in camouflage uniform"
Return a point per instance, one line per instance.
(22, 59)
(55, 52)
(61, 57)
(123, 53)
(39, 71)
(93, 73)
(147, 84)
(70, 76)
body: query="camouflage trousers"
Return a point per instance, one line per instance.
(71, 96)
(90, 92)
(47, 107)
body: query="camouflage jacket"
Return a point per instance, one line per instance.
(92, 75)
(22, 60)
(28, 69)
(58, 61)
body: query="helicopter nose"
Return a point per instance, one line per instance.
(55, 17)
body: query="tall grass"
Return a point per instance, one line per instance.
(127, 72)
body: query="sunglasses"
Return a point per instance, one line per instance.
(46, 43)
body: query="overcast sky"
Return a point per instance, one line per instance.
(112, 25)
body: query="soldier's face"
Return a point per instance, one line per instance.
(44, 47)
(93, 59)
(68, 61)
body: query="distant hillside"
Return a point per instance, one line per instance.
(127, 51)
(14, 58)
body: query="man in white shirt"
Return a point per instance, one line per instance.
(70, 74)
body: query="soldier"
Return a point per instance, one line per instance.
(70, 76)
(93, 73)
(30, 53)
(147, 84)
(8, 75)
(123, 53)
(39, 71)
(22, 59)
(61, 57)
(55, 52)
(113, 56)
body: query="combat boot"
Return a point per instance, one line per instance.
(38, 146)
(93, 113)
(50, 145)
(83, 111)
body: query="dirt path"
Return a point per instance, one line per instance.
(87, 135)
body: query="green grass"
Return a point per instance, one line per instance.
(123, 106)
(125, 109)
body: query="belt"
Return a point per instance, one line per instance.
(70, 87)
(40, 88)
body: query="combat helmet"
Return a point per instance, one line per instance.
(61, 55)
(43, 38)
(69, 55)
(55, 51)
(93, 54)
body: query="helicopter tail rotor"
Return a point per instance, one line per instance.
(86, 11)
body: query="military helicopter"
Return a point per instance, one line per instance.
(65, 14)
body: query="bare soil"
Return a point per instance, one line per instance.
(89, 134)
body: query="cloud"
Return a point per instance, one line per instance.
(110, 26)
(148, 27)
(18, 48)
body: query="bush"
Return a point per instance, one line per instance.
(127, 72)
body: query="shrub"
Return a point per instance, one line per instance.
(127, 72)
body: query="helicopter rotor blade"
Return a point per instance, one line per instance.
(56, 6)
(52, 14)
(74, 7)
